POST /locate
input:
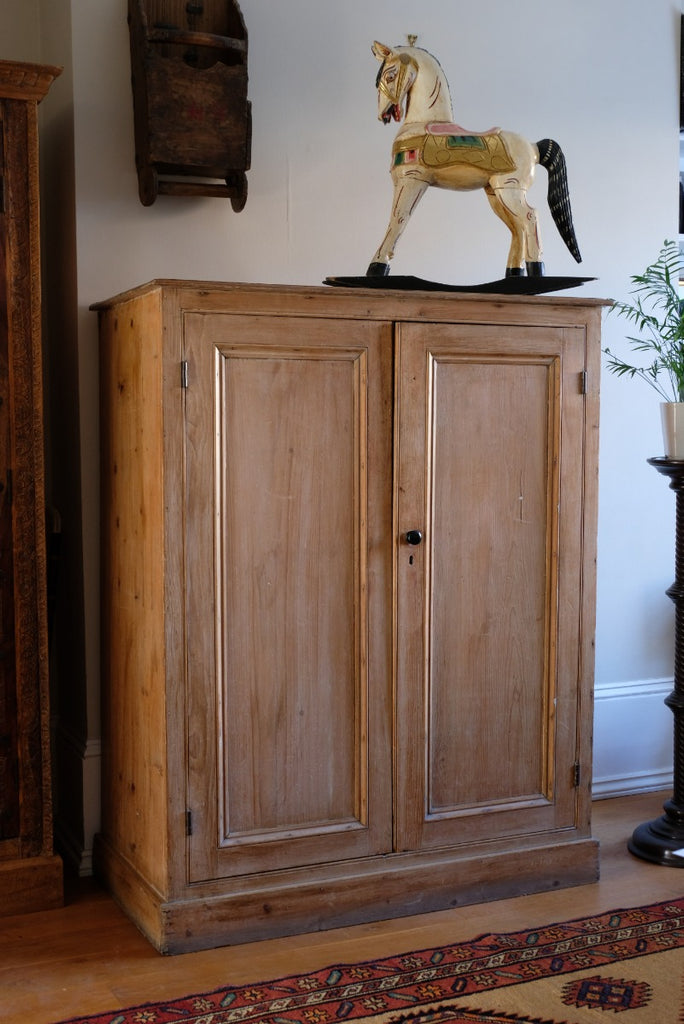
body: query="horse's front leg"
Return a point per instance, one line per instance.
(407, 194)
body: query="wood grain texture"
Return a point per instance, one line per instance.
(135, 739)
(9, 722)
(30, 872)
(360, 304)
(310, 722)
(29, 884)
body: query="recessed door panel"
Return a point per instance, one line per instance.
(490, 506)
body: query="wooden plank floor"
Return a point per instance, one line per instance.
(88, 958)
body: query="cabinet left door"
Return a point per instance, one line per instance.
(288, 508)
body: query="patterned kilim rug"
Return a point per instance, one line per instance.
(627, 962)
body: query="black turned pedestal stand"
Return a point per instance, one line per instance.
(662, 841)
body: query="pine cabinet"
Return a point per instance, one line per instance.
(348, 603)
(30, 872)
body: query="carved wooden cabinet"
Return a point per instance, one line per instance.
(349, 573)
(30, 873)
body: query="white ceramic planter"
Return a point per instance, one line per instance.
(672, 418)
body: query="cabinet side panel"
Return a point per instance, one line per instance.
(588, 555)
(133, 711)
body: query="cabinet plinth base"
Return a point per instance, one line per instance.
(30, 884)
(398, 885)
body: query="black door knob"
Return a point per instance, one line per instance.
(414, 537)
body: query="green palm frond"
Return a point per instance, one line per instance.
(657, 313)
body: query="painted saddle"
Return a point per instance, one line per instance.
(444, 144)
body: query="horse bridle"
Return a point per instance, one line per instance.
(406, 63)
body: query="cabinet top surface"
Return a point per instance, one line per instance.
(340, 301)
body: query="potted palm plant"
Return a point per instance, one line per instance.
(658, 314)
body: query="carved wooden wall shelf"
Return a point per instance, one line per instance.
(192, 117)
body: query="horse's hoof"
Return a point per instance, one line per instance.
(535, 268)
(378, 270)
(515, 271)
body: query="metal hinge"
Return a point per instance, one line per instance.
(188, 823)
(583, 382)
(576, 774)
(184, 374)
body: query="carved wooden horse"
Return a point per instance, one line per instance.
(430, 149)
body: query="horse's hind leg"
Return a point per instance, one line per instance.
(407, 193)
(510, 204)
(515, 264)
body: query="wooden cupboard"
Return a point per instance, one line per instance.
(30, 872)
(348, 603)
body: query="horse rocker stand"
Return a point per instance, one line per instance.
(429, 149)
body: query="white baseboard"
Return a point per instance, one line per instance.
(633, 746)
(628, 785)
(92, 765)
(75, 832)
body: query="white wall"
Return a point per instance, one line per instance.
(601, 78)
(19, 30)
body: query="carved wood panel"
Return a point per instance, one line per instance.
(9, 753)
(31, 876)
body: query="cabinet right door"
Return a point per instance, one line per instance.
(490, 470)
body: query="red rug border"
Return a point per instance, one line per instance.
(111, 1016)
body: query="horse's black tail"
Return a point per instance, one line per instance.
(551, 157)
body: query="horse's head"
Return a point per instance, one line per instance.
(396, 76)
